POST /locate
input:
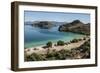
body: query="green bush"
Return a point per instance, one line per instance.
(61, 43)
(49, 44)
(74, 41)
(62, 54)
(84, 38)
(35, 57)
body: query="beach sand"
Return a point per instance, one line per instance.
(42, 50)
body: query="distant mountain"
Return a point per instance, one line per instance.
(76, 26)
(57, 23)
(43, 24)
(46, 24)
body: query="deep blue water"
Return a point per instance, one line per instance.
(35, 36)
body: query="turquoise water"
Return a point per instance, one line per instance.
(35, 36)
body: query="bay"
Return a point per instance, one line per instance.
(34, 36)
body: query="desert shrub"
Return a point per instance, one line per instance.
(86, 46)
(61, 43)
(59, 56)
(62, 54)
(80, 39)
(35, 48)
(84, 38)
(49, 44)
(35, 57)
(54, 55)
(29, 58)
(74, 41)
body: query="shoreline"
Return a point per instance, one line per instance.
(69, 46)
(30, 45)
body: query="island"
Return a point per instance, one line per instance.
(43, 24)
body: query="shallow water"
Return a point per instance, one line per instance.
(35, 36)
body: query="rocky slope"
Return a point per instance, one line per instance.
(76, 27)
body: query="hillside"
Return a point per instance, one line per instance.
(43, 24)
(76, 27)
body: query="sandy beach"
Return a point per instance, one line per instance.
(42, 50)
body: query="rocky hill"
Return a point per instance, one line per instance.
(43, 24)
(76, 26)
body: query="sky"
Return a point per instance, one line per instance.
(55, 16)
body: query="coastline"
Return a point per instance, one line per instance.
(70, 37)
(69, 46)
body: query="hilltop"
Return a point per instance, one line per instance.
(76, 26)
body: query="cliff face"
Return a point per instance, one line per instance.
(76, 27)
